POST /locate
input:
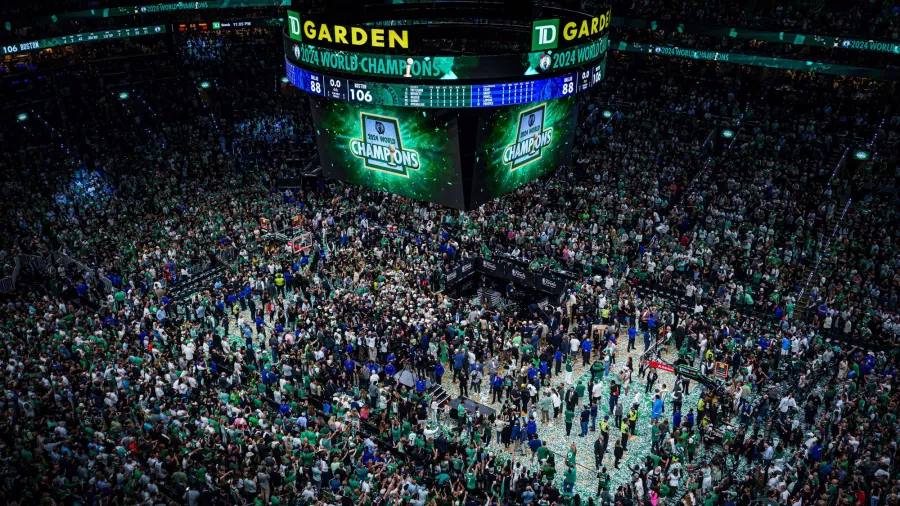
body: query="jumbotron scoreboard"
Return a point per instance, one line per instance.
(455, 103)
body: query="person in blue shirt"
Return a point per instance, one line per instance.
(268, 378)
(438, 373)
(534, 443)
(390, 370)
(594, 411)
(458, 360)
(497, 388)
(532, 372)
(515, 433)
(242, 299)
(420, 386)
(350, 367)
(557, 358)
(632, 336)
(815, 452)
(585, 417)
(586, 348)
(657, 410)
(531, 427)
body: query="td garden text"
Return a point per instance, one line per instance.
(369, 64)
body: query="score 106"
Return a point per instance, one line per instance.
(359, 92)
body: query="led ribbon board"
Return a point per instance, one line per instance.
(797, 39)
(446, 68)
(754, 60)
(445, 96)
(132, 10)
(66, 40)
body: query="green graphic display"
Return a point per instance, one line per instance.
(409, 152)
(519, 144)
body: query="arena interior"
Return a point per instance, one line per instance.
(450, 253)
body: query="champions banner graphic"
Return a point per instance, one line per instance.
(381, 147)
(409, 152)
(519, 144)
(531, 139)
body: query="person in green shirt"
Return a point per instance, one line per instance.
(549, 468)
(570, 478)
(569, 418)
(542, 453)
(603, 480)
(472, 477)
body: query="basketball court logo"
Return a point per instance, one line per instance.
(381, 146)
(531, 138)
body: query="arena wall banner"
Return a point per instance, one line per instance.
(460, 273)
(519, 274)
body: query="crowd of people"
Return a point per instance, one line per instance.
(316, 377)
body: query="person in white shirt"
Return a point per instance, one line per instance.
(787, 403)
(597, 391)
(575, 345)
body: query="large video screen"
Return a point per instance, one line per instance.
(410, 152)
(516, 145)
